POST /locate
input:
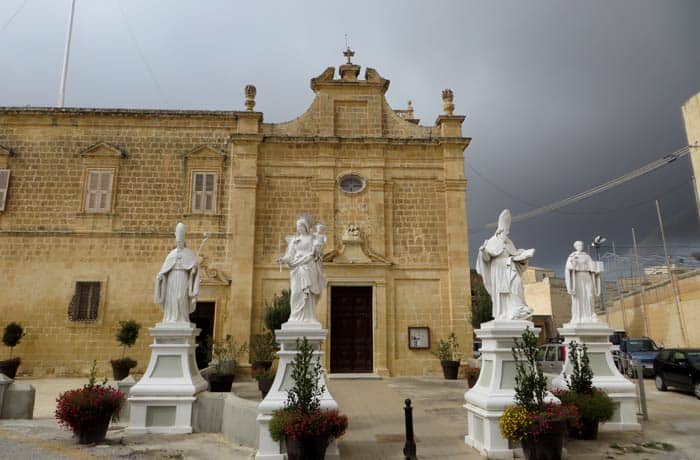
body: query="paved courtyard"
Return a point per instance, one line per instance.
(375, 408)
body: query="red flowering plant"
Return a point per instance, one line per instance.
(302, 418)
(81, 409)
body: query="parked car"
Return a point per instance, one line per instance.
(615, 339)
(641, 349)
(679, 368)
(551, 357)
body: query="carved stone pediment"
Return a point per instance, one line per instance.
(103, 150)
(354, 250)
(211, 274)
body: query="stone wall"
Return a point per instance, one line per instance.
(654, 313)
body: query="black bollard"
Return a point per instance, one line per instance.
(409, 449)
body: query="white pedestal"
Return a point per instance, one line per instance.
(276, 398)
(494, 392)
(605, 375)
(161, 402)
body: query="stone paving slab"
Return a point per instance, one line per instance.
(376, 431)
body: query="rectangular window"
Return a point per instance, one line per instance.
(85, 302)
(98, 194)
(4, 185)
(203, 192)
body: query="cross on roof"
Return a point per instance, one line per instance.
(348, 53)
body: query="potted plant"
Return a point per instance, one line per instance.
(538, 425)
(11, 337)
(265, 377)
(225, 353)
(127, 333)
(593, 404)
(262, 352)
(87, 411)
(472, 374)
(304, 426)
(449, 356)
(277, 313)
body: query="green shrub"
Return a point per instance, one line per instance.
(278, 311)
(13, 335)
(581, 379)
(127, 333)
(596, 406)
(530, 382)
(263, 347)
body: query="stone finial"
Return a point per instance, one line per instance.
(250, 93)
(447, 101)
(409, 110)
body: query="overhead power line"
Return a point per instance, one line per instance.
(12, 17)
(646, 169)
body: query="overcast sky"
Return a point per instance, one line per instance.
(559, 95)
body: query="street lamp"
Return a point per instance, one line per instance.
(597, 243)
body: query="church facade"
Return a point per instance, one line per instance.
(89, 200)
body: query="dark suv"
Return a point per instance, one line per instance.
(642, 350)
(680, 368)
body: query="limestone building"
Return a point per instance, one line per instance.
(89, 199)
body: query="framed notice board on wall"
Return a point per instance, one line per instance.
(419, 338)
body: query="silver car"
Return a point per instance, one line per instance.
(550, 357)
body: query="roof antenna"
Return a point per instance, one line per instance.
(66, 56)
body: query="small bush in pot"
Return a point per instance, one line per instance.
(11, 337)
(127, 333)
(87, 411)
(278, 311)
(472, 374)
(594, 405)
(225, 353)
(449, 356)
(263, 349)
(306, 428)
(264, 377)
(538, 425)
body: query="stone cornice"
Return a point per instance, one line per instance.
(98, 234)
(455, 185)
(52, 111)
(245, 181)
(323, 184)
(350, 140)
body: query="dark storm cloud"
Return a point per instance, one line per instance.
(559, 96)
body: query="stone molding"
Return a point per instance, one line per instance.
(245, 182)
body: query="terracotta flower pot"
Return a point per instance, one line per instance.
(121, 368)
(9, 367)
(264, 385)
(307, 448)
(547, 446)
(221, 383)
(257, 366)
(450, 369)
(95, 432)
(588, 430)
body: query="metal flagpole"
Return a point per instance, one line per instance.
(670, 275)
(66, 55)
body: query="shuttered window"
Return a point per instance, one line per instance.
(98, 193)
(4, 185)
(85, 302)
(203, 192)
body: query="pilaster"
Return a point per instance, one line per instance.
(241, 224)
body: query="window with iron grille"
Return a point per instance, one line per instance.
(204, 192)
(85, 302)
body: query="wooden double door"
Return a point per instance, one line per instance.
(351, 329)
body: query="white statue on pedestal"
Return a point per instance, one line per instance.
(501, 266)
(177, 283)
(582, 276)
(304, 256)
